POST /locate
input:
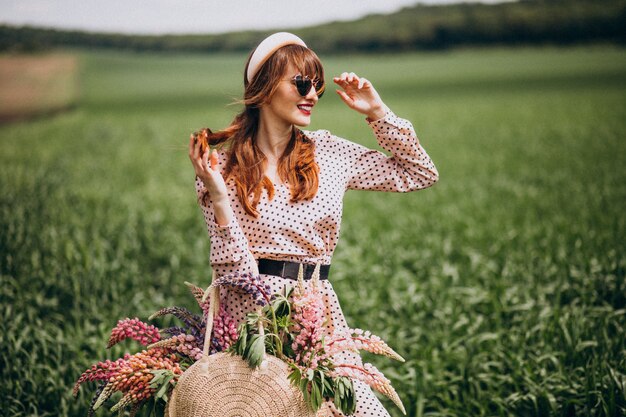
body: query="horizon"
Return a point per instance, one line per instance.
(163, 17)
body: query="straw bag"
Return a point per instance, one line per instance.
(224, 385)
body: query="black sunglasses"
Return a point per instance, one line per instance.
(304, 83)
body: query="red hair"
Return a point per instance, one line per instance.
(245, 162)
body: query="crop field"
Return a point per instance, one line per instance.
(36, 85)
(503, 285)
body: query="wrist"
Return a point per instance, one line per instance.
(222, 211)
(377, 113)
(220, 201)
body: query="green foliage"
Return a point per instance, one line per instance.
(424, 27)
(253, 343)
(503, 286)
(162, 383)
(344, 398)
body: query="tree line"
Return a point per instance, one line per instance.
(419, 27)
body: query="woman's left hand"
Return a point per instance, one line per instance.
(359, 94)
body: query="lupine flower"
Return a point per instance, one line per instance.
(105, 394)
(136, 407)
(184, 315)
(125, 401)
(224, 331)
(198, 294)
(357, 339)
(224, 335)
(369, 374)
(101, 371)
(135, 329)
(174, 331)
(95, 397)
(134, 376)
(308, 312)
(184, 344)
(247, 283)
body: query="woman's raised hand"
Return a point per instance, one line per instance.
(210, 175)
(359, 94)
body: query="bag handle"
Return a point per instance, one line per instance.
(214, 308)
(214, 298)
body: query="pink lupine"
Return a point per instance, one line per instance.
(224, 331)
(134, 329)
(100, 371)
(308, 314)
(357, 339)
(369, 374)
(134, 376)
(185, 344)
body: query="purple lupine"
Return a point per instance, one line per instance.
(247, 283)
(184, 315)
(174, 331)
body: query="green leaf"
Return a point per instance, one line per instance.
(255, 354)
(295, 375)
(345, 399)
(316, 395)
(162, 392)
(282, 308)
(303, 387)
(328, 390)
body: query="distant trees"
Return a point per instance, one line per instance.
(419, 27)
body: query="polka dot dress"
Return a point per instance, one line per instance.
(308, 231)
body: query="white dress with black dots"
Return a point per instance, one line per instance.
(307, 231)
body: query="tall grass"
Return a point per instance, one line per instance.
(503, 286)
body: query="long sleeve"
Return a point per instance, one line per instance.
(408, 169)
(229, 245)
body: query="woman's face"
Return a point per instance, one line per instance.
(287, 105)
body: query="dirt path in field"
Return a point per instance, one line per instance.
(36, 85)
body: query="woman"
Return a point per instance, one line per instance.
(274, 197)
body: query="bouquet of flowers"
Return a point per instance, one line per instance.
(149, 375)
(290, 325)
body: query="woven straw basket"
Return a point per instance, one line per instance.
(224, 385)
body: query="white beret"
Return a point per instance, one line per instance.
(267, 47)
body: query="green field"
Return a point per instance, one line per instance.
(503, 285)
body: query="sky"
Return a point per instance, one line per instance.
(192, 16)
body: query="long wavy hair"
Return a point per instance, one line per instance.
(245, 162)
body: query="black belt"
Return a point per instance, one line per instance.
(286, 269)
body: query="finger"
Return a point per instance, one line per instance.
(196, 149)
(340, 81)
(205, 157)
(343, 78)
(362, 82)
(346, 98)
(214, 160)
(352, 77)
(191, 143)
